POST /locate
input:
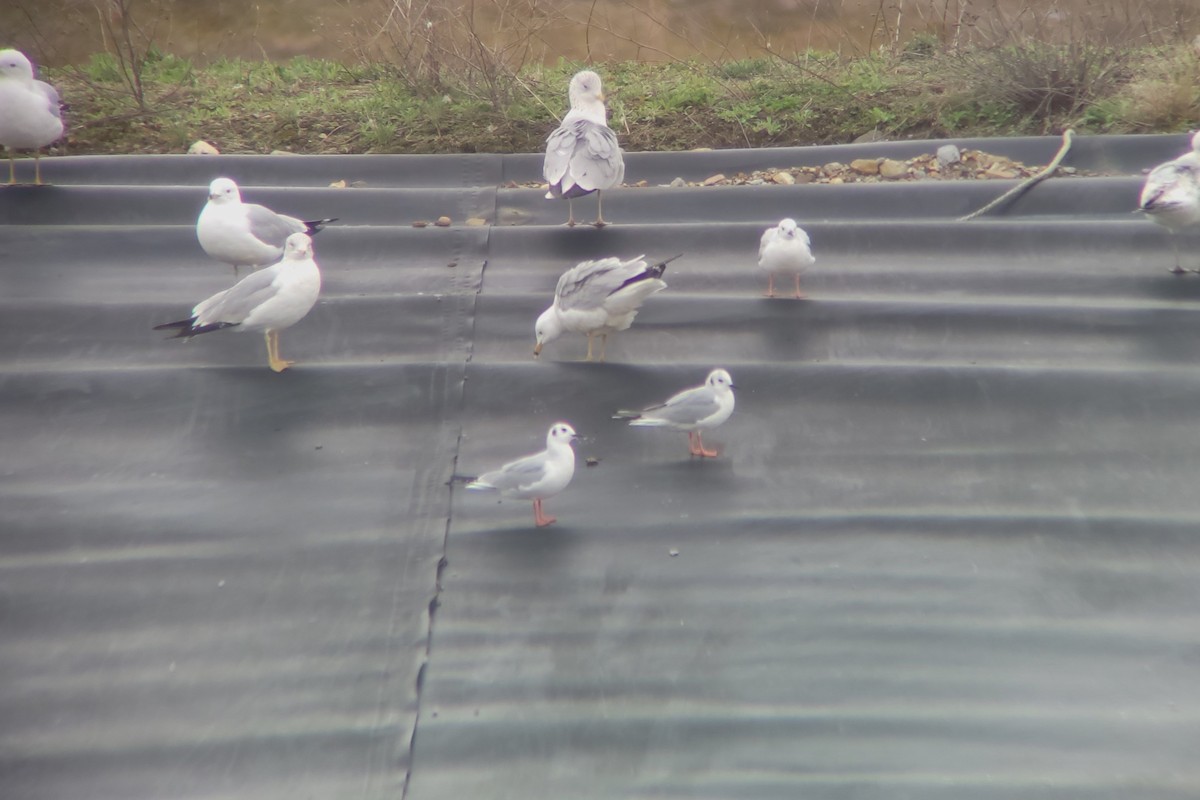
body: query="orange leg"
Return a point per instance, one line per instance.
(276, 363)
(696, 446)
(539, 517)
(799, 294)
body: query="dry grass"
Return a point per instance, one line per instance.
(1165, 93)
(428, 76)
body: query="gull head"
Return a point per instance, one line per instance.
(298, 246)
(14, 64)
(224, 190)
(585, 90)
(719, 381)
(547, 328)
(787, 228)
(561, 433)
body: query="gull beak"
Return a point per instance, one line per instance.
(537, 349)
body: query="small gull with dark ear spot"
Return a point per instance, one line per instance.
(787, 249)
(692, 410)
(535, 477)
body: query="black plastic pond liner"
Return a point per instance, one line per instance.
(951, 548)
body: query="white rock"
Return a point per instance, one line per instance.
(948, 154)
(202, 148)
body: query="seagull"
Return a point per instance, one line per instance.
(535, 477)
(1171, 195)
(784, 248)
(691, 410)
(582, 155)
(597, 298)
(268, 300)
(245, 234)
(30, 115)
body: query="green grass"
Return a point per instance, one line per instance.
(313, 106)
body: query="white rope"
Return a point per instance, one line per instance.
(1025, 185)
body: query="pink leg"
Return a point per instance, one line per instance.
(770, 285)
(539, 518)
(696, 446)
(799, 294)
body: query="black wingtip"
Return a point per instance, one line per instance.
(182, 327)
(315, 226)
(185, 329)
(658, 269)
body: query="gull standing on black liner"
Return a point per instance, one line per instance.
(245, 234)
(597, 298)
(535, 477)
(785, 248)
(582, 155)
(268, 300)
(692, 410)
(30, 114)
(1171, 195)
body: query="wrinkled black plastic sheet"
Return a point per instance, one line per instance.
(950, 548)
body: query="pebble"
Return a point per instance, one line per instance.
(202, 148)
(784, 178)
(442, 222)
(865, 166)
(678, 182)
(713, 180)
(892, 169)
